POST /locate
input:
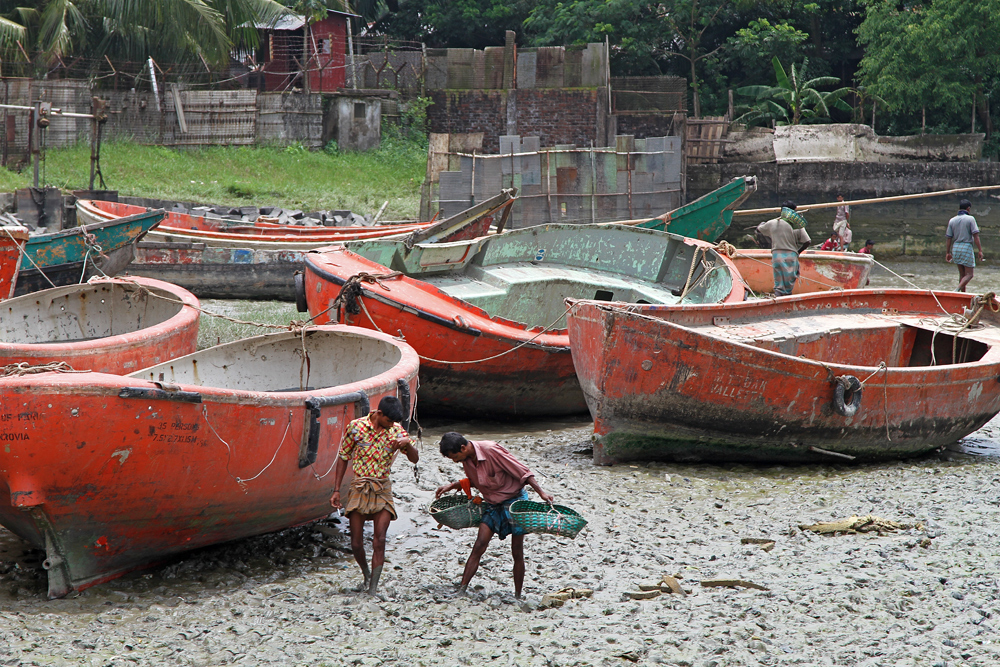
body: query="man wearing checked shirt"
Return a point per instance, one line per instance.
(371, 443)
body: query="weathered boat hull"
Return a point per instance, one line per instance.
(661, 385)
(220, 273)
(109, 326)
(71, 256)
(498, 361)
(109, 474)
(12, 240)
(819, 270)
(708, 217)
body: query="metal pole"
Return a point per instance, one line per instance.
(34, 139)
(593, 185)
(93, 141)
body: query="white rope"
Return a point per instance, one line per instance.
(24, 253)
(243, 482)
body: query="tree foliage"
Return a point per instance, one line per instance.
(794, 99)
(939, 55)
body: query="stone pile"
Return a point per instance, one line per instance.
(276, 214)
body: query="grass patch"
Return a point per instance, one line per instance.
(216, 331)
(291, 177)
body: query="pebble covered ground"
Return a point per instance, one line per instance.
(926, 595)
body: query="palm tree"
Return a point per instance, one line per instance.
(52, 27)
(794, 99)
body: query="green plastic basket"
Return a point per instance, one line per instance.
(535, 517)
(456, 511)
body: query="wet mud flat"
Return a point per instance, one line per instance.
(926, 595)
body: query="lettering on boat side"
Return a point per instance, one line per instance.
(13, 437)
(174, 432)
(21, 417)
(748, 388)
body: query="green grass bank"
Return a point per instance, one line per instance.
(292, 177)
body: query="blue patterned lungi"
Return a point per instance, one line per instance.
(498, 517)
(961, 253)
(786, 270)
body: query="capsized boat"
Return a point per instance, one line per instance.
(487, 315)
(110, 473)
(823, 377)
(819, 270)
(12, 240)
(109, 325)
(74, 255)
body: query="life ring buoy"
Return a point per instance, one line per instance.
(300, 293)
(847, 395)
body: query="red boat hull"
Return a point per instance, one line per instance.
(11, 242)
(472, 364)
(819, 270)
(661, 385)
(111, 473)
(114, 325)
(535, 380)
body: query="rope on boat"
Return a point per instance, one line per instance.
(350, 292)
(956, 323)
(239, 480)
(22, 253)
(474, 361)
(24, 368)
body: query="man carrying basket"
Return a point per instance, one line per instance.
(501, 479)
(371, 443)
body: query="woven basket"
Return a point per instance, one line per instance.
(456, 511)
(535, 517)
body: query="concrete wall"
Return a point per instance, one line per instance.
(358, 123)
(921, 222)
(847, 142)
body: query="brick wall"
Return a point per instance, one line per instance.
(554, 115)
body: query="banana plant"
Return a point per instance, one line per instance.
(794, 99)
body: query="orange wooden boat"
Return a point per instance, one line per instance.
(819, 270)
(796, 379)
(109, 325)
(486, 315)
(110, 473)
(12, 240)
(185, 228)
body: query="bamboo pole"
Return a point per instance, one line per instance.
(810, 207)
(858, 202)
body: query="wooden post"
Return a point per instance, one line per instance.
(350, 52)
(306, 58)
(731, 112)
(923, 122)
(973, 113)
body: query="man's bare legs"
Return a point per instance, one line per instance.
(380, 525)
(478, 549)
(517, 551)
(965, 274)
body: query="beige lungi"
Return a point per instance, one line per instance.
(370, 495)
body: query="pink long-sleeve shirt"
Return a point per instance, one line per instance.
(495, 472)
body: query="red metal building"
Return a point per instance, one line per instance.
(290, 45)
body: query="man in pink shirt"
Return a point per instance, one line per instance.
(501, 479)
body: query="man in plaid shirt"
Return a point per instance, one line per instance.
(371, 443)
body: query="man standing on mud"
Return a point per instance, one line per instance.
(371, 443)
(962, 233)
(501, 479)
(788, 238)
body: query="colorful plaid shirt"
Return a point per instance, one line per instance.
(370, 450)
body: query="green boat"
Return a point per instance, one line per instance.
(706, 218)
(74, 255)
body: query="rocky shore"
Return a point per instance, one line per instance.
(924, 595)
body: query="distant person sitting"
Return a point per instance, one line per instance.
(869, 247)
(831, 243)
(788, 238)
(962, 233)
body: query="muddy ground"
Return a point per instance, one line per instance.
(915, 597)
(925, 595)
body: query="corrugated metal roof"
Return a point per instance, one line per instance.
(292, 21)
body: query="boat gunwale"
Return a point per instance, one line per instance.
(91, 227)
(187, 315)
(108, 384)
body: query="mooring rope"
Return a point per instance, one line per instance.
(24, 368)
(24, 253)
